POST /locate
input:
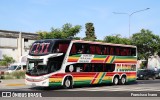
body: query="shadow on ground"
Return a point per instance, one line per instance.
(82, 86)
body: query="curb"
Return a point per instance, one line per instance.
(15, 84)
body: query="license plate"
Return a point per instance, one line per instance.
(33, 84)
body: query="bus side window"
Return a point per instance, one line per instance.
(98, 49)
(117, 51)
(80, 49)
(88, 68)
(111, 51)
(104, 67)
(63, 48)
(73, 50)
(122, 52)
(79, 67)
(128, 53)
(110, 67)
(92, 49)
(105, 50)
(98, 68)
(133, 52)
(86, 49)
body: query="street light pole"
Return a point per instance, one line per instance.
(129, 15)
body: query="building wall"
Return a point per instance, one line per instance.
(15, 44)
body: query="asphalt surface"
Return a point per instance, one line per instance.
(123, 92)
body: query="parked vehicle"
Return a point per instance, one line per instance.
(16, 67)
(145, 74)
(158, 73)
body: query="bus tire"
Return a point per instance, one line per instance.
(68, 84)
(123, 80)
(115, 80)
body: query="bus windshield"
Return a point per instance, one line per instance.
(40, 48)
(44, 47)
(37, 68)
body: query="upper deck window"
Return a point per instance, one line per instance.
(60, 47)
(44, 47)
(100, 49)
(40, 48)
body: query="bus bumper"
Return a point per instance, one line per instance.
(32, 82)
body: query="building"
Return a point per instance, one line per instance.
(15, 44)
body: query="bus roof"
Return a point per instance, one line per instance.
(102, 43)
(90, 42)
(53, 40)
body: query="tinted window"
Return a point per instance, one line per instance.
(95, 67)
(60, 47)
(40, 48)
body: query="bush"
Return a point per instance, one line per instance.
(15, 75)
(18, 74)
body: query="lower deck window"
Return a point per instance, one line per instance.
(85, 67)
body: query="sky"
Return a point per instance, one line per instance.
(41, 15)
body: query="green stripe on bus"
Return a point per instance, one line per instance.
(125, 57)
(112, 59)
(100, 56)
(106, 81)
(102, 77)
(55, 84)
(77, 55)
(82, 82)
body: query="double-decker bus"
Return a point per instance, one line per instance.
(60, 62)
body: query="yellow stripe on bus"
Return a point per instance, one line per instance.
(98, 78)
(109, 60)
(55, 80)
(73, 57)
(83, 78)
(99, 58)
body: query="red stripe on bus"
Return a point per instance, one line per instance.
(106, 59)
(94, 78)
(95, 61)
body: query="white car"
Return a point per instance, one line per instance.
(16, 67)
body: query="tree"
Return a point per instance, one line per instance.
(67, 31)
(147, 43)
(6, 61)
(117, 39)
(90, 32)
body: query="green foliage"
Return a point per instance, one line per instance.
(147, 43)
(67, 31)
(90, 32)
(15, 75)
(6, 61)
(143, 65)
(117, 39)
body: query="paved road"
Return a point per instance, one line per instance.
(141, 85)
(152, 86)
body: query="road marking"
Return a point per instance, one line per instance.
(15, 84)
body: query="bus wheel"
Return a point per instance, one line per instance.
(67, 83)
(115, 80)
(123, 80)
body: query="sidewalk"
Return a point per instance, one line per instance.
(13, 82)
